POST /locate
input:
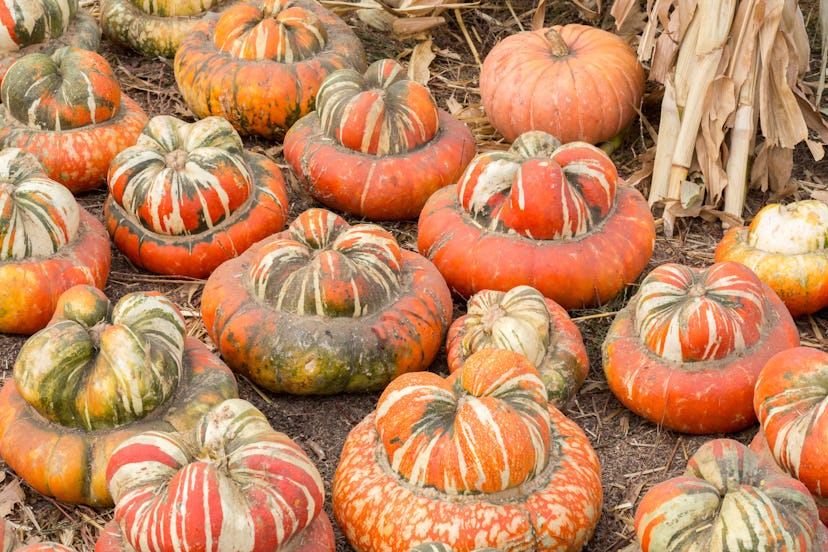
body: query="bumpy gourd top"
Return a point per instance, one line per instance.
(483, 429)
(326, 267)
(793, 229)
(382, 112)
(685, 314)
(174, 8)
(27, 22)
(38, 216)
(97, 366)
(517, 320)
(278, 30)
(69, 89)
(180, 178)
(728, 499)
(539, 188)
(254, 487)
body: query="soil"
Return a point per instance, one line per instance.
(634, 453)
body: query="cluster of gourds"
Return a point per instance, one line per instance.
(117, 405)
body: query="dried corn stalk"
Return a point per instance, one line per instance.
(732, 71)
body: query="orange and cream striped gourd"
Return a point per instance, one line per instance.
(48, 243)
(187, 197)
(391, 143)
(67, 109)
(260, 64)
(232, 483)
(551, 216)
(482, 446)
(687, 349)
(727, 499)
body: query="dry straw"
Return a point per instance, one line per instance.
(735, 100)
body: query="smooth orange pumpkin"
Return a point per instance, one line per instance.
(686, 351)
(551, 216)
(787, 247)
(260, 65)
(576, 82)
(478, 459)
(390, 143)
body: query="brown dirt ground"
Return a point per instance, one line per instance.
(634, 453)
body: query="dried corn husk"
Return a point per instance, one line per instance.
(733, 75)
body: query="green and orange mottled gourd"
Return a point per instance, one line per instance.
(728, 500)
(476, 459)
(260, 65)
(551, 216)
(154, 28)
(43, 26)
(392, 145)
(187, 197)
(96, 375)
(524, 321)
(576, 82)
(686, 351)
(67, 109)
(787, 247)
(353, 309)
(48, 243)
(231, 483)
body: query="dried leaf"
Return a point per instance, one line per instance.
(691, 194)
(821, 195)
(407, 26)
(629, 17)
(454, 107)
(772, 170)
(779, 114)
(817, 149)
(378, 19)
(10, 496)
(540, 15)
(421, 58)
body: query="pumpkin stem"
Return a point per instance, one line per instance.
(556, 42)
(96, 332)
(698, 290)
(176, 159)
(491, 316)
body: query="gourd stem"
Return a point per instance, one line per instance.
(556, 42)
(96, 331)
(176, 159)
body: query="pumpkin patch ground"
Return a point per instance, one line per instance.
(634, 453)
